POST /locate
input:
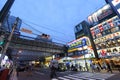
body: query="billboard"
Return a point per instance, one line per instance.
(100, 15)
(81, 42)
(115, 4)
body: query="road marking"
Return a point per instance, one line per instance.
(74, 78)
(87, 76)
(54, 79)
(39, 73)
(62, 78)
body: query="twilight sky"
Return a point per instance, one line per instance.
(54, 17)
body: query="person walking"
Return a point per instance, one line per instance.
(108, 67)
(53, 68)
(92, 65)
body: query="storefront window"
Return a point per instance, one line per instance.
(114, 29)
(108, 43)
(107, 31)
(118, 41)
(105, 26)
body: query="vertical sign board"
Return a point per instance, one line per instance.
(115, 4)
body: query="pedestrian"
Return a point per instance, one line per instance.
(30, 70)
(53, 68)
(108, 67)
(92, 65)
(104, 66)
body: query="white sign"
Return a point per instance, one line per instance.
(116, 4)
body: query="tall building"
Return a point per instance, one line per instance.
(106, 32)
(9, 22)
(83, 29)
(82, 49)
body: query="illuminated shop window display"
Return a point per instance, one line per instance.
(107, 38)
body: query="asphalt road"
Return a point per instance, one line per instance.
(67, 75)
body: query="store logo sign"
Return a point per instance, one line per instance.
(78, 43)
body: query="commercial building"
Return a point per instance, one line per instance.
(82, 49)
(105, 31)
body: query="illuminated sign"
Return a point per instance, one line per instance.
(100, 15)
(78, 43)
(115, 4)
(104, 14)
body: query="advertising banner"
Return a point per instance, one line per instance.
(100, 15)
(115, 4)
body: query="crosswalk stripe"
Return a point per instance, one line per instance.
(81, 77)
(63, 78)
(54, 79)
(73, 78)
(87, 76)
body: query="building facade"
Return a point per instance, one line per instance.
(82, 49)
(106, 32)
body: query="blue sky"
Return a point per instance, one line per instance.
(55, 17)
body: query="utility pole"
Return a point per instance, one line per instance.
(8, 40)
(10, 36)
(5, 10)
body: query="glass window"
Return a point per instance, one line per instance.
(105, 26)
(78, 28)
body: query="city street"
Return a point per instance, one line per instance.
(68, 75)
(60, 40)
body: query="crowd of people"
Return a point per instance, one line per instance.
(107, 66)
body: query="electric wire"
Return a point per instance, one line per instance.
(47, 28)
(42, 32)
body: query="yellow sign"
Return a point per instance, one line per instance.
(71, 50)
